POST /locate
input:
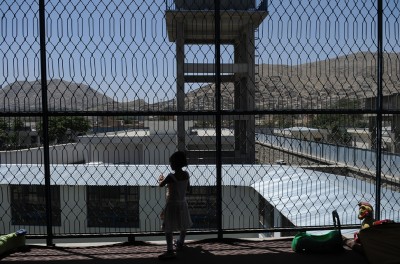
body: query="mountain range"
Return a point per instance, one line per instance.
(314, 85)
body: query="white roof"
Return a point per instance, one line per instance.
(305, 197)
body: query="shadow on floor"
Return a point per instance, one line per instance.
(209, 251)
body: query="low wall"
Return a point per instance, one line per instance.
(59, 154)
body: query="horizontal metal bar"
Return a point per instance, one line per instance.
(210, 68)
(201, 232)
(208, 78)
(203, 112)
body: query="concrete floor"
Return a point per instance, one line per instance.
(205, 251)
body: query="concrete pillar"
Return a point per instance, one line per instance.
(251, 82)
(372, 131)
(245, 97)
(180, 84)
(396, 133)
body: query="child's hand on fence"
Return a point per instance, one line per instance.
(161, 178)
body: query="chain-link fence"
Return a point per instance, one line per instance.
(287, 110)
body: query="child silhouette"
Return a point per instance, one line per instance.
(175, 215)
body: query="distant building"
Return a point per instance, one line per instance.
(153, 144)
(362, 138)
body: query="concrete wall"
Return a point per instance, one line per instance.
(240, 210)
(59, 154)
(240, 207)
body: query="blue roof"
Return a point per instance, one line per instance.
(305, 197)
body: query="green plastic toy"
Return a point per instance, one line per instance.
(325, 243)
(13, 241)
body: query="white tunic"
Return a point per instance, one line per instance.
(176, 211)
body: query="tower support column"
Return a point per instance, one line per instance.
(180, 84)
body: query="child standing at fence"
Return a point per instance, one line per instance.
(175, 215)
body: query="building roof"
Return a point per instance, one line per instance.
(305, 197)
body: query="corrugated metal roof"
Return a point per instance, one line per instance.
(305, 197)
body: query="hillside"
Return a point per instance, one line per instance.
(62, 95)
(315, 85)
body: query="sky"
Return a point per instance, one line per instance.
(121, 47)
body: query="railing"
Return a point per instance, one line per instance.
(356, 158)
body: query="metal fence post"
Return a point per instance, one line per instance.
(218, 117)
(379, 109)
(45, 116)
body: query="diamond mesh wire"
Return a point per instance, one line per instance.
(302, 125)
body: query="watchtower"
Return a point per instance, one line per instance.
(192, 22)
